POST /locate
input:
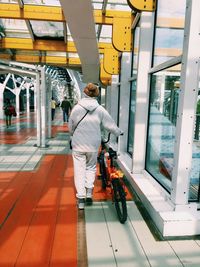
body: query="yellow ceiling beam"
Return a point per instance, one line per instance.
(105, 77)
(51, 60)
(142, 5)
(52, 13)
(122, 35)
(42, 45)
(120, 20)
(31, 12)
(111, 61)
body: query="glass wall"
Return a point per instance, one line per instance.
(164, 90)
(164, 97)
(133, 89)
(170, 19)
(194, 193)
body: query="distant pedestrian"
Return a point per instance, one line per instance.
(9, 111)
(53, 108)
(66, 108)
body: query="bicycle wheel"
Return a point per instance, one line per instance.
(120, 200)
(103, 174)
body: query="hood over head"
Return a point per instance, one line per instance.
(88, 103)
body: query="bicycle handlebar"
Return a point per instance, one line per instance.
(107, 140)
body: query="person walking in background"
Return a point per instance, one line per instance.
(8, 112)
(85, 122)
(53, 108)
(66, 108)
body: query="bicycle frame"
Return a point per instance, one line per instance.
(112, 177)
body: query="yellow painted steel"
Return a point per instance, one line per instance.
(45, 45)
(52, 13)
(142, 5)
(35, 59)
(121, 32)
(111, 61)
(42, 45)
(31, 12)
(105, 77)
(122, 35)
(107, 17)
(121, 20)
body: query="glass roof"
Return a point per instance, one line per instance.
(47, 29)
(52, 30)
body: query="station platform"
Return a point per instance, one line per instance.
(40, 224)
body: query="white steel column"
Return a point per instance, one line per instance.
(114, 90)
(108, 98)
(38, 110)
(16, 92)
(27, 86)
(187, 104)
(49, 94)
(142, 91)
(43, 107)
(124, 96)
(2, 88)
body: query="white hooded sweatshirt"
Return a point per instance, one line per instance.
(87, 135)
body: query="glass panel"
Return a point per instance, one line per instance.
(133, 89)
(112, 4)
(194, 192)
(47, 29)
(169, 30)
(9, 1)
(106, 34)
(43, 2)
(132, 116)
(135, 51)
(14, 28)
(164, 97)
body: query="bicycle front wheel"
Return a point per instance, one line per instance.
(120, 200)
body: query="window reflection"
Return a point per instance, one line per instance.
(133, 89)
(164, 97)
(132, 117)
(169, 30)
(47, 29)
(194, 192)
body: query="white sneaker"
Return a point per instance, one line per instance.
(89, 192)
(81, 203)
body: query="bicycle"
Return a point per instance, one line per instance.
(113, 178)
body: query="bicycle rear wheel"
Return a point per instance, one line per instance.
(120, 200)
(103, 173)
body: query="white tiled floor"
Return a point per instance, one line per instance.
(132, 244)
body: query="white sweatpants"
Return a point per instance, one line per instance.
(84, 171)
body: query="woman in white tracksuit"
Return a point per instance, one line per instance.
(86, 140)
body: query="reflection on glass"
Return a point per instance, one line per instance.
(164, 97)
(47, 29)
(14, 28)
(169, 30)
(106, 34)
(132, 116)
(194, 192)
(135, 51)
(133, 89)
